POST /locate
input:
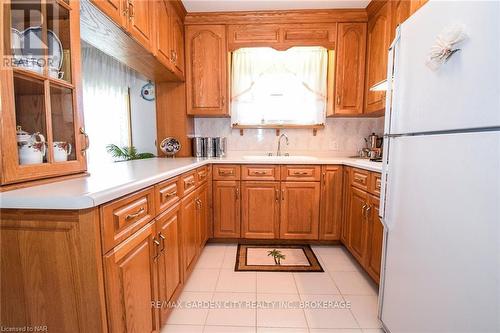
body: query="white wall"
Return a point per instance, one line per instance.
(143, 115)
(340, 137)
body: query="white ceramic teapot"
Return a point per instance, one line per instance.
(31, 147)
(62, 150)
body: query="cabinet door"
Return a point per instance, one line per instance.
(169, 265)
(203, 211)
(260, 209)
(206, 70)
(299, 210)
(331, 203)
(114, 9)
(130, 283)
(400, 12)
(350, 68)
(177, 42)
(226, 209)
(357, 222)
(344, 234)
(140, 21)
(375, 238)
(189, 231)
(164, 13)
(379, 34)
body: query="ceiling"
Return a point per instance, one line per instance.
(250, 5)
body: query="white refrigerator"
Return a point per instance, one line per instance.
(440, 200)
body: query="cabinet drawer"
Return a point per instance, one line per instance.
(166, 194)
(202, 174)
(260, 172)
(226, 172)
(301, 173)
(360, 178)
(375, 183)
(123, 217)
(188, 182)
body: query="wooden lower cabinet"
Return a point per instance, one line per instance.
(344, 233)
(356, 221)
(168, 259)
(260, 208)
(227, 203)
(203, 207)
(130, 273)
(299, 210)
(331, 203)
(189, 230)
(374, 239)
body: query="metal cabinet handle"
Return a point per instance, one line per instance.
(260, 172)
(87, 141)
(131, 10)
(301, 173)
(226, 173)
(324, 178)
(283, 195)
(367, 210)
(134, 215)
(338, 99)
(162, 240)
(171, 194)
(363, 211)
(277, 192)
(190, 182)
(359, 180)
(223, 100)
(237, 193)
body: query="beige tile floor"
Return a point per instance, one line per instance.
(214, 282)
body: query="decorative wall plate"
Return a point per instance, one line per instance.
(170, 146)
(148, 91)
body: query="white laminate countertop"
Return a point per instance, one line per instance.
(118, 179)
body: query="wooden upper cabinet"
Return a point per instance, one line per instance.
(130, 283)
(374, 240)
(206, 70)
(177, 27)
(226, 205)
(299, 210)
(164, 13)
(140, 22)
(260, 208)
(168, 259)
(331, 203)
(400, 12)
(253, 35)
(114, 9)
(350, 69)
(378, 41)
(312, 34)
(356, 220)
(416, 4)
(282, 36)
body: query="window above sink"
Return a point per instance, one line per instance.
(273, 88)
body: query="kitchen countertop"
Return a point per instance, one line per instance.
(118, 179)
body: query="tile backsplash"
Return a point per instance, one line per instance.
(340, 137)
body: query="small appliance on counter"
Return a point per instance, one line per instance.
(209, 147)
(373, 149)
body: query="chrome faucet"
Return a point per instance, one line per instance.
(278, 152)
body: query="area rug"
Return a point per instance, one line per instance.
(276, 258)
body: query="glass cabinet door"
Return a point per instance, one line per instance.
(42, 131)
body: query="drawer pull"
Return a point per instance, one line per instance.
(189, 182)
(134, 215)
(162, 240)
(377, 185)
(260, 172)
(301, 173)
(359, 180)
(202, 177)
(171, 194)
(226, 173)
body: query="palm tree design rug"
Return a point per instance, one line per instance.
(276, 258)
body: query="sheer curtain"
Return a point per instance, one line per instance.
(279, 87)
(105, 102)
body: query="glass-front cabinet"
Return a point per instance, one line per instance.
(42, 132)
